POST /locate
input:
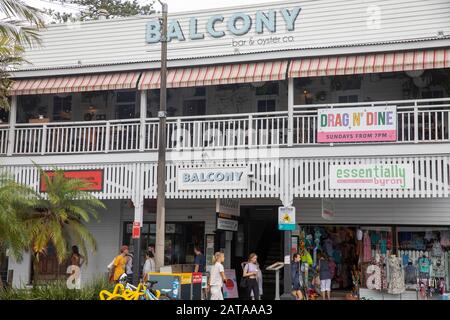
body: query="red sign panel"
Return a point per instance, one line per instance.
(196, 277)
(93, 177)
(136, 230)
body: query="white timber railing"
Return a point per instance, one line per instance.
(419, 121)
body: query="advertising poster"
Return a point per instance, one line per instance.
(328, 209)
(230, 288)
(286, 218)
(364, 124)
(371, 176)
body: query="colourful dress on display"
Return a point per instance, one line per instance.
(367, 254)
(396, 283)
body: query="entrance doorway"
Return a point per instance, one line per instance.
(261, 236)
(339, 245)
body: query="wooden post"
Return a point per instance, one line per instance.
(12, 126)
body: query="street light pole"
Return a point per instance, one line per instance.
(161, 181)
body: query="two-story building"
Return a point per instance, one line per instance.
(286, 103)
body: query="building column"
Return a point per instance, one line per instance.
(290, 112)
(138, 201)
(12, 125)
(143, 113)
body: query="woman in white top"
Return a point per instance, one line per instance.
(217, 277)
(149, 265)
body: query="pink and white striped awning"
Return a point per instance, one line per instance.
(81, 83)
(217, 74)
(370, 63)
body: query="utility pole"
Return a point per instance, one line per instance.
(161, 181)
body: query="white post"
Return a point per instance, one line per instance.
(250, 131)
(290, 112)
(416, 123)
(143, 117)
(107, 136)
(12, 125)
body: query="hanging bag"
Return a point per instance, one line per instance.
(244, 280)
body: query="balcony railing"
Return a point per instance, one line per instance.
(419, 121)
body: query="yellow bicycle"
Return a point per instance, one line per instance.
(126, 291)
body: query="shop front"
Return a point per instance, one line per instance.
(380, 250)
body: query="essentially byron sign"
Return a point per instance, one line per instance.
(371, 176)
(93, 177)
(212, 178)
(238, 24)
(371, 124)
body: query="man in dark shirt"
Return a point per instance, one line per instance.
(199, 261)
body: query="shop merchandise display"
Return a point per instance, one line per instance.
(396, 283)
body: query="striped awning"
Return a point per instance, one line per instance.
(81, 83)
(370, 63)
(217, 74)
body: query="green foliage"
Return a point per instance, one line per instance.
(19, 27)
(21, 22)
(15, 201)
(89, 9)
(58, 291)
(60, 215)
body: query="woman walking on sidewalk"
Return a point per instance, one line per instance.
(217, 277)
(251, 271)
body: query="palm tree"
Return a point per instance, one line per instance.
(21, 22)
(15, 200)
(60, 215)
(19, 27)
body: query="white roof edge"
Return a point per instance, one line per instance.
(291, 54)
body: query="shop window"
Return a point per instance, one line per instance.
(343, 83)
(62, 108)
(180, 239)
(194, 107)
(268, 89)
(348, 99)
(4, 116)
(266, 105)
(126, 105)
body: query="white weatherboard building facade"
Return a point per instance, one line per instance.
(246, 87)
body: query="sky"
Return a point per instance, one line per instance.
(174, 5)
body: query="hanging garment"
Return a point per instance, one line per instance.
(367, 254)
(436, 251)
(375, 237)
(389, 241)
(410, 274)
(424, 265)
(328, 244)
(428, 235)
(405, 259)
(383, 246)
(359, 235)
(332, 267)
(396, 283)
(445, 239)
(439, 270)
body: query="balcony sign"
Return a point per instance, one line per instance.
(231, 178)
(238, 24)
(362, 124)
(94, 178)
(371, 176)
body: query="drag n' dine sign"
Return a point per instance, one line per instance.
(362, 124)
(371, 176)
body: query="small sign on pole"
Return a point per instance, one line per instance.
(328, 209)
(136, 230)
(286, 218)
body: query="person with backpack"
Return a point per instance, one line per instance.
(296, 277)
